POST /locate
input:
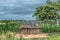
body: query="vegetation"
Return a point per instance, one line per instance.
(50, 28)
(47, 12)
(9, 36)
(10, 26)
(7, 27)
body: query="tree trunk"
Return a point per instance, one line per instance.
(57, 23)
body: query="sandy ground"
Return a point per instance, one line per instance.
(41, 35)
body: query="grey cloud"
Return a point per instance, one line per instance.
(17, 8)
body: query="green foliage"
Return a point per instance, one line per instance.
(53, 36)
(13, 26)
(47, 12)
(50, 28)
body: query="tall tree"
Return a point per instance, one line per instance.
(47, 12)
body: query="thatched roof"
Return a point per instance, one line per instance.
(29, 26)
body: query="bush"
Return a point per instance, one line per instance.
(50, 28)
(13, 26)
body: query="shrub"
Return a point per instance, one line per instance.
(50, 28)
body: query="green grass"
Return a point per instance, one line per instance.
(9, 36)
(53, 36)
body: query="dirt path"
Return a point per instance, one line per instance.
(41, 35)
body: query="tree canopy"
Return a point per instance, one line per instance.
(49, 11)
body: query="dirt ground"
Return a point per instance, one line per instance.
(41, 35)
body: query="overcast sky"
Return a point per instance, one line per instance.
(19, 9)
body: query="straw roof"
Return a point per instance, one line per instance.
(29, 26)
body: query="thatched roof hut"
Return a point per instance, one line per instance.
(30, 29)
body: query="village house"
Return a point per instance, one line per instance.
(31, 28)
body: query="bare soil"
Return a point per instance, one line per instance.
(41, 35)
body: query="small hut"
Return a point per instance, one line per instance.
(30, 29)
